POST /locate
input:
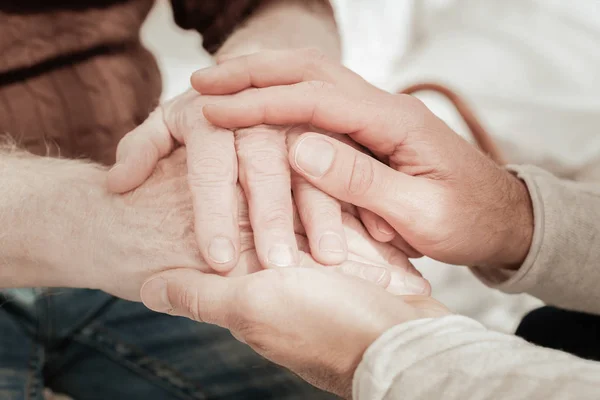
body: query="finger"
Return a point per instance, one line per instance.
(354, 177)
(138, 153)
(404, 281)
(406, 248)
(378, 227)
(376, 275)
(265, 177)
(212, 176)
(321, 216)
(379, 122)
(429, 307)
(190, 293)
(405, 278)
(221, 58)
(270, 68)
(397, 281)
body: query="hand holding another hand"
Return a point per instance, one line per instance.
(316, 322)
(152, 230)
(214, 155)
(443, 196)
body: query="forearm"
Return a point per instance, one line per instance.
(50, 211)
(281, 24)
(457, 358)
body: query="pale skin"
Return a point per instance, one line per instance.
(255, 156)
(66, 230)
(441, 195)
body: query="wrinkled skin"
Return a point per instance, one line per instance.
(167, 238)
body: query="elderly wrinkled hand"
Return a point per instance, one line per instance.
(264, 174)
(444, 197)
(165, 201)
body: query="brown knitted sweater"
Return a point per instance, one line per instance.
(74, 77)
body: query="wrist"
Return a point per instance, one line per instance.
(51, 206)
(286, 24)
(142, 236)
(86, 213)
(366, 334)
(519, 226)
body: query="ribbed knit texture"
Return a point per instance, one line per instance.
(74, 77)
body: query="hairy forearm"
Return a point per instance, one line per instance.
(281, 24)
(50, 211)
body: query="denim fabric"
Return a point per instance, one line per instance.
(90, 345)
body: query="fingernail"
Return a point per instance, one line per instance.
(404, 283)
(415, 284)
(115, 167)
(384, 227)
(375, 274)
(314, 156)
(331, 243)
(281, 255)
(221, 250)
(201, 71)
(154, 295)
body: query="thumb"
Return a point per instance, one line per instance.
(351, 176)
(138, 153)
(192, 294)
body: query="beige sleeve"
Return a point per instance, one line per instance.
(562, 267)
(456, 358)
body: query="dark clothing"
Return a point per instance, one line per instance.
(570, 331)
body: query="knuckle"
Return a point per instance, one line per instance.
(409, 103)
(254, 136)
(210, 170)
(185, 120)
(322, 212)
(265, 165)
(407, 100)
(276, 218)
(210, 215)
(411, 112)
(187, 298)
(361, 175)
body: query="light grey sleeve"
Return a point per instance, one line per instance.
(562, 267)
(456, 358)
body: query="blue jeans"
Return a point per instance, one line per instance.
(90, 345)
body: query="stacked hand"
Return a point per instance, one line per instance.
(444, 197)
(214, 157)
(154, 231)
(440, 195)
